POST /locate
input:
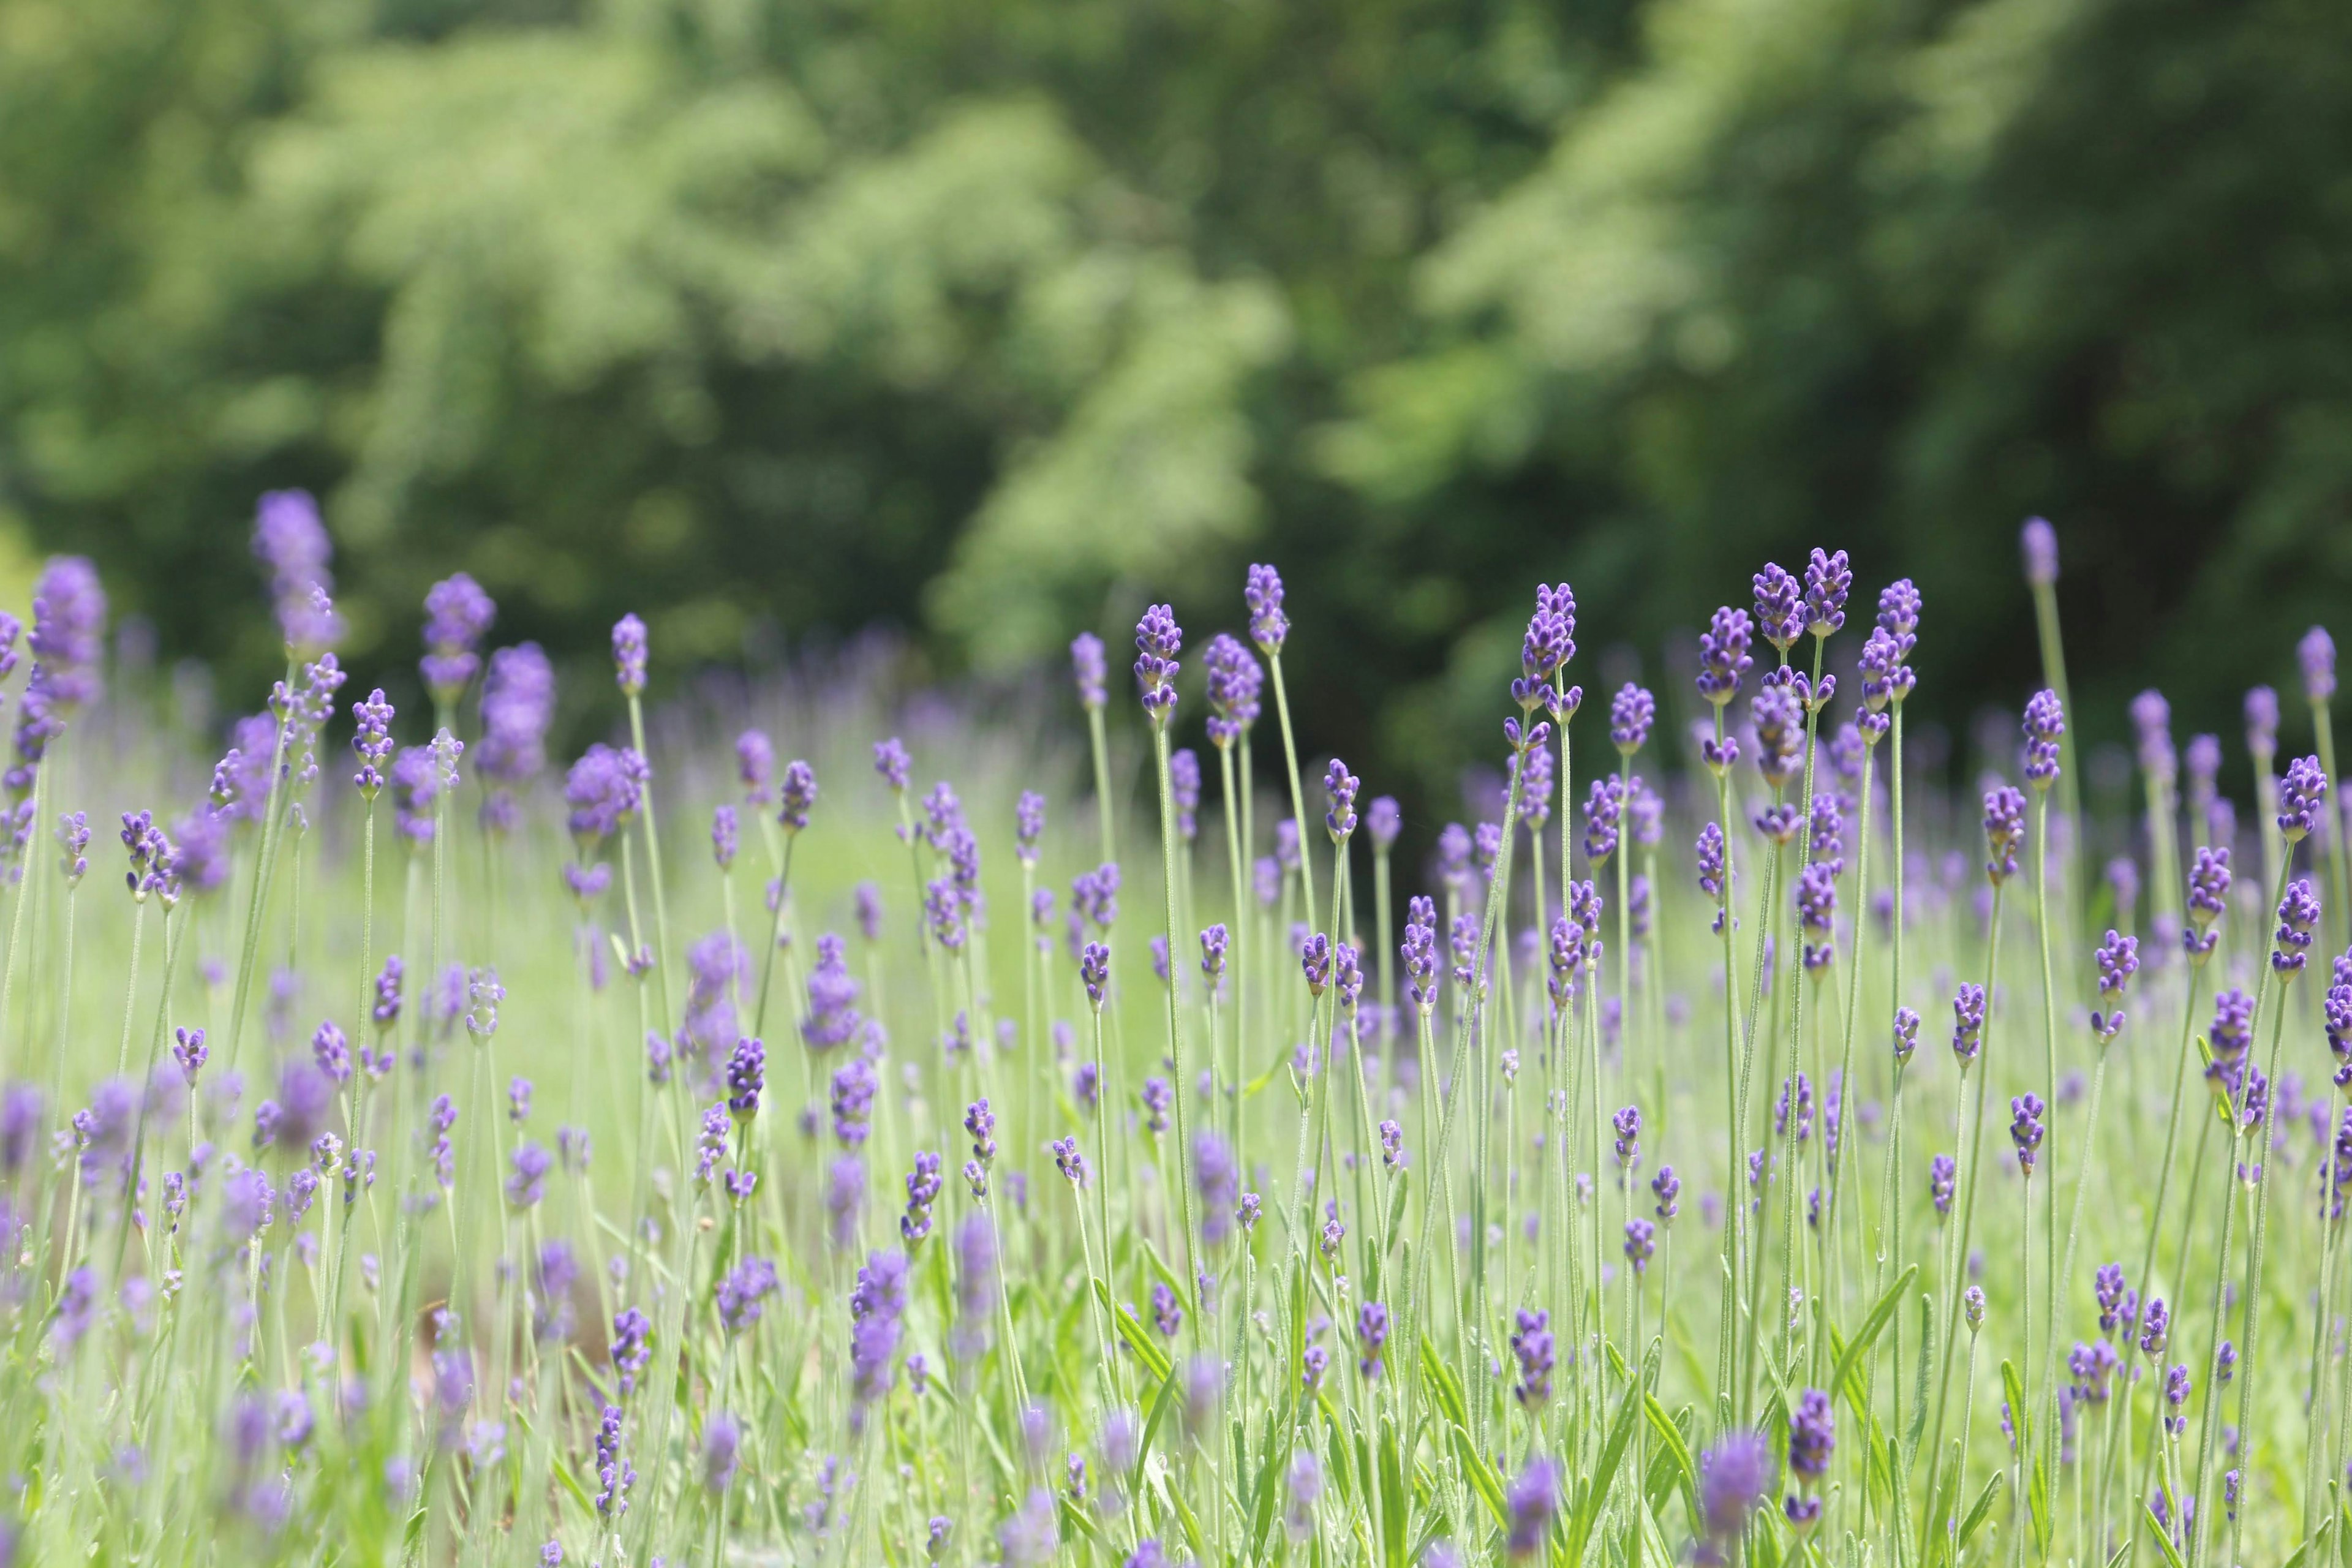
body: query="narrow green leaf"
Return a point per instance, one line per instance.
(1873, 1325)
(1604, 1472)
(1482, 1476)
(1981, 1507)
(2013, 1387)
(1676, 1447)
(1448, 1388)
(1155, 1360)
(2163, 1539)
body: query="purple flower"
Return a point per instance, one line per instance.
(1723, 655)
(632, 1347)
(1827, 582)
(1383, 821)
(2026, 1129)
(1943, 1175)
(1532, 1347)
(1780, 734)
(1547, 648)
(1234, 681)
(2155, 1330)
(743, 1291)
(2038, 542)
(1531, 1502)
(796, 797)
(528, 1184)
(975, 1284)
(518, 706)
(1314, 961)
(1262, 595)
(1339, 787)
(1094, 971)
(68, 632)
(1779, 606)
(1628, 1125)
(629, 654)
(854, 1088)
(1968, 1023)
(1817, 913)
(1218, 1177)
(1086, 663)
(1734, 1478)
(457, 616)
(2300, 793)
(1419, 953)
(2046, 720)
(1813, 1437)
(746, 1076)
(1631, 713)
(1303, 1486)
(2004, 825)
(1158, 641)
(833, 1016)
(2298, 912)
(1640, 1243)
(291, 543)
(1603, 806)
(722, 1436)
(1372, 1333)
(604, 789)
(2316, 654)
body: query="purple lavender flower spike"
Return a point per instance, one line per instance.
(1094, 971)
(1827, 582)
(1158, 641)
(2038, 542)
(2026, 1128)
(1234, 681)
(1604, 806)
(1184, 789)
(1534, 1348)
(2316, 655)
(290, 542)
(1779, 735)
(755, 764)
(629, 654)
(457, 614)
(1723, 655)
(1632, 712)
(1547, 648)
(1779, 606)
(1968, 1026)
(1640, 1244)
(2004, 825)
(1340, 787)
(892, 762)
(1735, 1476)
(2151, 718)
(1532, 1503)
(2046, 720)
(1943, 1177)
(2298, 912)
(68, 641)
(1269, 627)
(518, 706)
(2300, 793)
(796, 797)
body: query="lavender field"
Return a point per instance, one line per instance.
(822, 1125)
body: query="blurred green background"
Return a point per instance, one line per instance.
(778, 319)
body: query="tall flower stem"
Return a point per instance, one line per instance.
(2053, 673)
(2047, 1405)
(2266, 1135)
(1233, 857)
(1734, 1207)
(1098, 742)
(264, 862)
(1972, 1174)
(1298, 796)
(654, 862)
(1183, 1086)
(24, 889)
(2339, 871)
(2148, 1256)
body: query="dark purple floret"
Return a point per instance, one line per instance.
(1632, 712)
(2108, 1288)
(1968, 1022)
(2026, 1128)
(1314, 961)
(2316, 654)
(1419, 953)
(1094, 972)
(1214, 941)
(854, 1088)
(1546, 647)
(741, 1293)
(1372, 1333)
(1604, 805)
(629, 654)
(1827, 582)
(1813, 1437)
(1779, 735)
(1640, 1244)
(1158, 641)
(2300, 793)
(796, 797)
(2298, 912)
(1339, 787)
(2045, 721)
(1779, 606)
(2004, 825)
(2156, 1331)
(1534, 1348)
(1262, 595)
(746, 1076)
(1943, 1175)
(1723, 655)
